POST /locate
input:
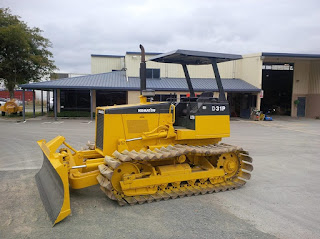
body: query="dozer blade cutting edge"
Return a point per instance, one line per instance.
(52, 181)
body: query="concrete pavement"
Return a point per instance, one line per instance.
(279, 201)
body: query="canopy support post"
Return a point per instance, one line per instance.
(186, 73)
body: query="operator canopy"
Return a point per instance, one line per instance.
(188, 57)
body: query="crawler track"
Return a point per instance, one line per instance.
(180, 189)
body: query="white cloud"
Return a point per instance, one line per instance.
(78, 29)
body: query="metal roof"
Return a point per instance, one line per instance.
(199, 84)
(110, 80)
(117, 80)
(297, 55)
(194, 57)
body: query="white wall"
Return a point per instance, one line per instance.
(103, 64)
(301, 77)
(314, 77)
(249, 69)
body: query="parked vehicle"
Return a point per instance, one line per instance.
(2, 101)
(12, 106)
(150, 151)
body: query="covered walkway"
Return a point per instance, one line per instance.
(116, 88)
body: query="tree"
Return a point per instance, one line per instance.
(24, 54)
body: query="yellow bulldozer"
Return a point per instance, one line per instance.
(150, 151)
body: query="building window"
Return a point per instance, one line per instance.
(75, 100)
(109, 98)
(278, 67)
(153, 73)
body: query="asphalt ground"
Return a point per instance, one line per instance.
(280, 201)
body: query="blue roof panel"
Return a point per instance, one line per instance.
(117, 80)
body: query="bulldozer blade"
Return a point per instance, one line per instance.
(52, 183)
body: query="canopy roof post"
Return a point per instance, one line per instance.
(55, 103)
(48, 102)
(23, 105)
(222, 96)
(186, 73)
(34, 103)
(91, 105)
(42, 102)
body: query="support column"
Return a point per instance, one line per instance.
(48, 102)
(91, 105)
(34, 103)
(258, 104)
(23, 105)
(55, 103)
(94, 100)
(42, 102)
(58, 101)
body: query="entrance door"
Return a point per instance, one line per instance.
(301, 107)
(277, 82)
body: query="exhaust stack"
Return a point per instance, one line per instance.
(145, 95)
(143, 71)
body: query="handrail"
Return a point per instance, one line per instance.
(173, 113)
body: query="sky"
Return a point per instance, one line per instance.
(78, 29)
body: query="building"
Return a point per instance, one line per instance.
(290, 82)
(286, 83)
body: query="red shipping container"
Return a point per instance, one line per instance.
(17, 94)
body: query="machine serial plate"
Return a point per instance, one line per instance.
(218, 108)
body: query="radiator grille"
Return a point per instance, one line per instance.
(100, 131)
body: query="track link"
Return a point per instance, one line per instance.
(182, 190)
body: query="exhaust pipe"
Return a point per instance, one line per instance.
(145, 95)
(143, 71)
